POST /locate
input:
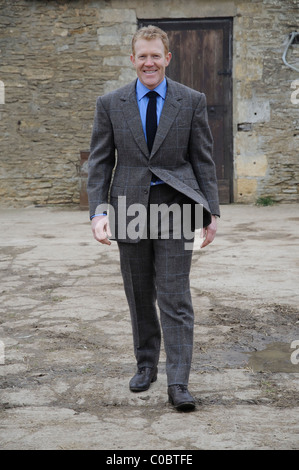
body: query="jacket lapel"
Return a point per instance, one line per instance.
(132, 116)
(169, 113)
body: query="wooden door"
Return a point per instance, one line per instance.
(202, 59)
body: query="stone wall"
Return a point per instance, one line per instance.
(58, 56)
(266, 152)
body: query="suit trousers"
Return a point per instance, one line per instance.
(156, 271)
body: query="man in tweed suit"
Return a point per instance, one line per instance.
(127, 171)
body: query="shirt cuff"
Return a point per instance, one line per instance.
(97, 215)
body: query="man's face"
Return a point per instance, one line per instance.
(150, 61)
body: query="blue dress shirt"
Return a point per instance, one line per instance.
(142, 100)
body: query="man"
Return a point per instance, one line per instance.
(168, 162)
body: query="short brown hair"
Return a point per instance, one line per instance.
(148, 33)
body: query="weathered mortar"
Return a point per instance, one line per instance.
(57, 57)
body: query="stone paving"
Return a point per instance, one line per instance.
(66, 345)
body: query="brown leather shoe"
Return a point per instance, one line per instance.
(180, 398)
(143, 379)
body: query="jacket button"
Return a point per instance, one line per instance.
(145, 191)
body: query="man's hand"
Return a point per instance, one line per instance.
(101, 229)
(209, 232)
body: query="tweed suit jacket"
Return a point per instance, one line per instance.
(120, 164)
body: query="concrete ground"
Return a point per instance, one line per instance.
(66, 346)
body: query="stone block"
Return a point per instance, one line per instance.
(257, 109)
(251, 165)
(246, 190)
(117, 15)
